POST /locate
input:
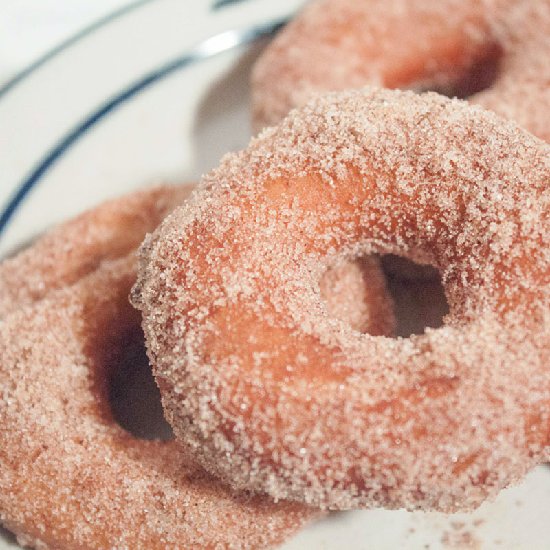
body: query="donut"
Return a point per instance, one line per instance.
(454, 46)
(271, 393)
(70, 476)
(78, 246)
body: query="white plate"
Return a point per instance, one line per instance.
(158, 92)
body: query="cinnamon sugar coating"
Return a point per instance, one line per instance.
(355, 291)
(70, 476)
(271, 393)
(444, 45)
(75, 248)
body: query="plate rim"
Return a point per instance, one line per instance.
(68, 42)
(234, 38)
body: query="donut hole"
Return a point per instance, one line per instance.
(133, 394)
(479, 76)
(418, 296)
(353, 291)
(356, 292)
(482, 74)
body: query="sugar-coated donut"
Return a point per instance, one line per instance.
(271, 393)
(444, 45)
(70, 476)
(78, 246)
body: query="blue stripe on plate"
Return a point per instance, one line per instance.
(218, 4)
(208, 48)
(86, 31)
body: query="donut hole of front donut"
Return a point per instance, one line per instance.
(479, 76)
(133, 394)
(417, 293)
(403, 299)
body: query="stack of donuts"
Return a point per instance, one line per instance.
(265, 312)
